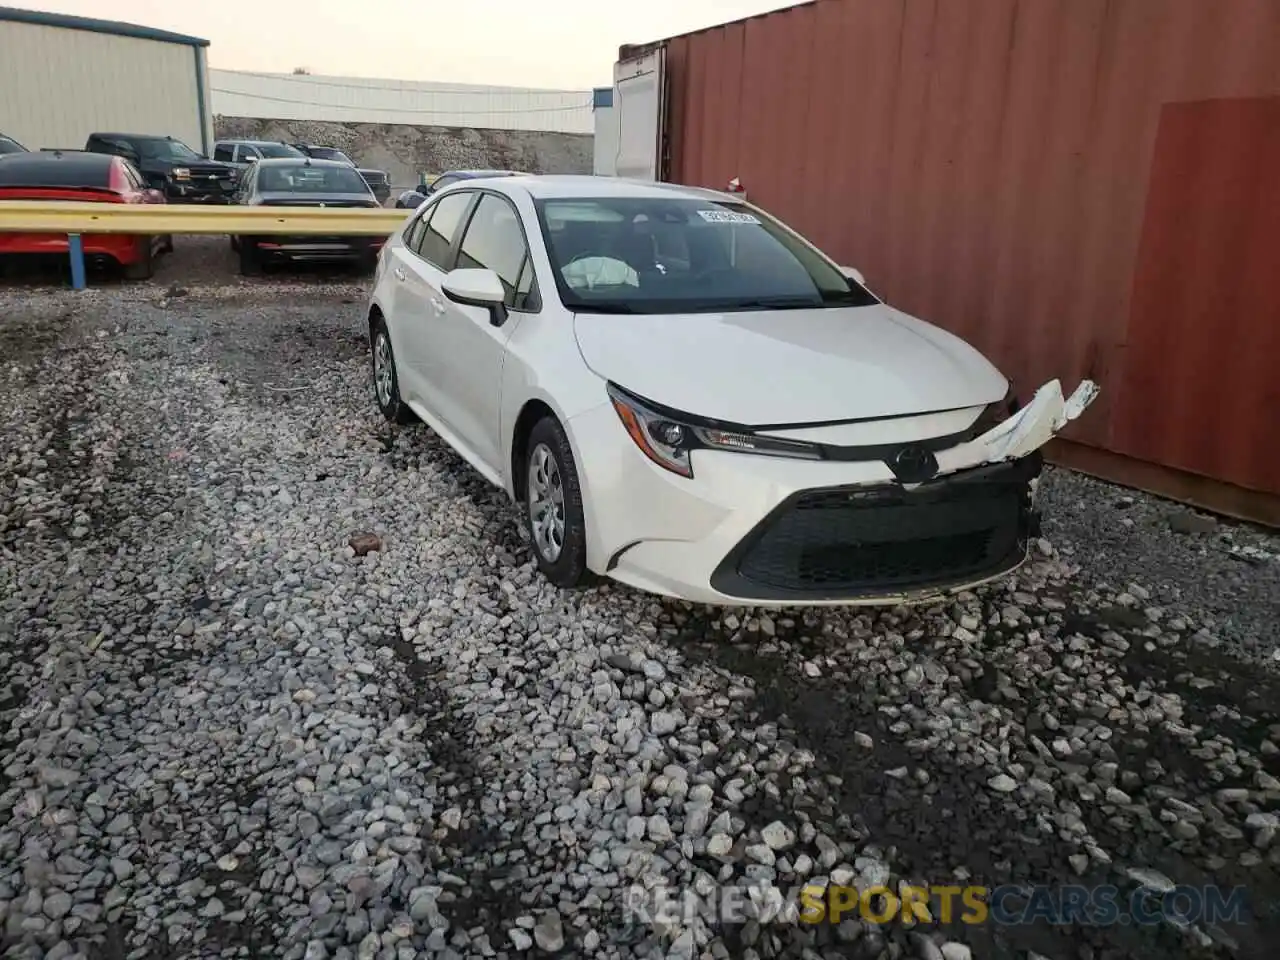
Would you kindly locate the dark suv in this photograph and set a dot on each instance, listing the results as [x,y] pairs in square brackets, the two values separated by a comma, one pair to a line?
[377,180]
[170,166]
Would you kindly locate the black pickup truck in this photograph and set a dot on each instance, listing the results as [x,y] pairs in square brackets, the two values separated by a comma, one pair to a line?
[169,165]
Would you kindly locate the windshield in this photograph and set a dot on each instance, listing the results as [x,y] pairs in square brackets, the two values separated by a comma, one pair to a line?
[291,178]
[678,255]
[274,150]
[165,150]
[329,153]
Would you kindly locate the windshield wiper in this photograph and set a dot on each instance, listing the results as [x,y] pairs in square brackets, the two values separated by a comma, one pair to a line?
[604,308]
[773,303]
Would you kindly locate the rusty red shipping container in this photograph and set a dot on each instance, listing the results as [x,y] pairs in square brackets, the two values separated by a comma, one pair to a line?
[1081,188]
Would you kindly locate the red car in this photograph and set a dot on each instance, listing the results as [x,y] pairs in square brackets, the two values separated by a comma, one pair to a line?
[93,177]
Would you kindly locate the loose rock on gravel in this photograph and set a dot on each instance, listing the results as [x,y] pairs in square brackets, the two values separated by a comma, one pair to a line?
[229,730]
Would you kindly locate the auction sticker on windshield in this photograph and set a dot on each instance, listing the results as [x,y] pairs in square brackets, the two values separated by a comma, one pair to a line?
[727,216]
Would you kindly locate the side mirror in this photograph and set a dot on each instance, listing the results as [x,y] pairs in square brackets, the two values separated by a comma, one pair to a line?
[250,159]
[153,195]
[854,274]
[477,288]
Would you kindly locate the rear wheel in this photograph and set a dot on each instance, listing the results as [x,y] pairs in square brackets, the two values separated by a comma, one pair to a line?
[142,268]
[250,259]
[386,383]
[235,244]
[553,506]
[166,245]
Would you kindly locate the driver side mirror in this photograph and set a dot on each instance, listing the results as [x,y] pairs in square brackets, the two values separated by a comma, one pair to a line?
[854,274]
[250,159]
[477,288]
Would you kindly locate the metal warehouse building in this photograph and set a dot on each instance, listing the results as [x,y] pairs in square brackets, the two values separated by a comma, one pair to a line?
[64,77]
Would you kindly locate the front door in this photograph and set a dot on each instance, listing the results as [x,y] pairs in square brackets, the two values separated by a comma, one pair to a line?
[419,304]
[472,346]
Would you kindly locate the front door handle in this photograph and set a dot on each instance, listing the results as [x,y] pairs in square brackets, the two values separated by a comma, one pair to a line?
[437,305]
[399,272]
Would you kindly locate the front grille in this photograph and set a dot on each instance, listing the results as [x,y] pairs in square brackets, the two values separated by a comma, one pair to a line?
[851,542]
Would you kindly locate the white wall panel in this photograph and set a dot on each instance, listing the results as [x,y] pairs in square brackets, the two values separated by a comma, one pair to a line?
[361,100]
[59,85]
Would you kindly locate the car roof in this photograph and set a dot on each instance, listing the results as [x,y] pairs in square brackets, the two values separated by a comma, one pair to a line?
[476,174]
[54,168]
[133,136]
[553,186]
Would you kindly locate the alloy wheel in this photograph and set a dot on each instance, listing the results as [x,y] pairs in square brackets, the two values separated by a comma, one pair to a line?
[546,503]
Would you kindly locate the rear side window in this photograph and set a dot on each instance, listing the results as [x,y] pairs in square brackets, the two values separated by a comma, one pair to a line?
[437,238]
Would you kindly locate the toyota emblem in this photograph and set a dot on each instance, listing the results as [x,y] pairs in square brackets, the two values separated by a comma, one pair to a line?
[913,464]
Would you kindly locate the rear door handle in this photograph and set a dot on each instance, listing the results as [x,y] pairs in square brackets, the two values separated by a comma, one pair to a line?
[399,272]
[437,305]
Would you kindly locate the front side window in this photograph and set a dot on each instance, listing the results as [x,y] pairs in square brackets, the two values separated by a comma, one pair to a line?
[9,145]
[132,176]
[223,151]
[494,241]
[680,255]
[442,227]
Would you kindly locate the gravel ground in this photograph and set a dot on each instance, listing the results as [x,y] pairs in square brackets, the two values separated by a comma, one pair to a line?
[224,734]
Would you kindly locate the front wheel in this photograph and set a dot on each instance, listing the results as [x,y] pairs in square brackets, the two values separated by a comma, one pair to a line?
[553,506]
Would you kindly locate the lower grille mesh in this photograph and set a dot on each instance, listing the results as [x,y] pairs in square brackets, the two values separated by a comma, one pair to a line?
[867,540]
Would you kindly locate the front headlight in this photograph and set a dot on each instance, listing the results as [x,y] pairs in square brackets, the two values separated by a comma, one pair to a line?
[180,173]
[995,413]
[668,438]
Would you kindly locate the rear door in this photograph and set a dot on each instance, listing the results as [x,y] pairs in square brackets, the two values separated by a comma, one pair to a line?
[640,96]
[419,264]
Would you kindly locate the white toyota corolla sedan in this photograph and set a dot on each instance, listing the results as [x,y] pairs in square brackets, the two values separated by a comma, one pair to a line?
[687,396]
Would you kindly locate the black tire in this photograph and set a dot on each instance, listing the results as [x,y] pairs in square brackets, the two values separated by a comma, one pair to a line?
[235,244]
[568,568]
[167,245]
[250,261]
[393,407]
[144,267]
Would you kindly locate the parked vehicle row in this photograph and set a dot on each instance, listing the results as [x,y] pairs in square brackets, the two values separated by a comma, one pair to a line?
[685,395]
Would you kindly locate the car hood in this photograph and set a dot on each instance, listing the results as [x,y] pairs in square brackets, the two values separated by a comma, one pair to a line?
[789,367]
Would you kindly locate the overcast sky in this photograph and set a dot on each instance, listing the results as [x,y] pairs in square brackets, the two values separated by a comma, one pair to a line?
[569,44]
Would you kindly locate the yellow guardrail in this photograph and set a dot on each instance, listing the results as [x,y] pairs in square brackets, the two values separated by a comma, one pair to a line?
[45,216]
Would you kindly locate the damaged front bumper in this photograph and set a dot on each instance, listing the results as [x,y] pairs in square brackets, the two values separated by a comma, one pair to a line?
[1023,433]
[777,531]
